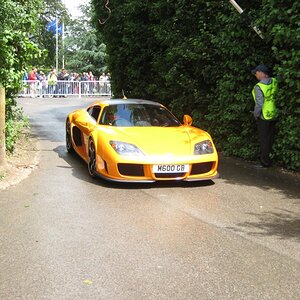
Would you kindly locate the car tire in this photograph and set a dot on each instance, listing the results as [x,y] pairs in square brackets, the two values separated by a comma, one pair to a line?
[69,144]
[92,159]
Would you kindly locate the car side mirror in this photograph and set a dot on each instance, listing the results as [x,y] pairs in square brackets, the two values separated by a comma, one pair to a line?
[187,120]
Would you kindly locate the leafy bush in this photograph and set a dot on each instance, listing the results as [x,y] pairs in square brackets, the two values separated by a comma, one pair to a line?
[197,57]
[16,51]
[15,122]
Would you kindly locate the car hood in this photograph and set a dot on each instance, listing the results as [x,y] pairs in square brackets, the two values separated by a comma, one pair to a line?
[159,140]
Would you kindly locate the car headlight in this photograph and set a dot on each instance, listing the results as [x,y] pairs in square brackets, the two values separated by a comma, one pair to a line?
[123,148]
[204,147]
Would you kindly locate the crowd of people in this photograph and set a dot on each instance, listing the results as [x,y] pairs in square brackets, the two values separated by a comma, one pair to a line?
[64,83]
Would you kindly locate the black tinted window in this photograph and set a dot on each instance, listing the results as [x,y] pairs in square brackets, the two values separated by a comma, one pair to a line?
[94,112]
[138,115]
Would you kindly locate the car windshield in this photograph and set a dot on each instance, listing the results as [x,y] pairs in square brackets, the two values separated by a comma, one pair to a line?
[138,115]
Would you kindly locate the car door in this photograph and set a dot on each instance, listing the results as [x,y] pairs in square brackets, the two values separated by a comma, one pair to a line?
[92,121]
[87,124]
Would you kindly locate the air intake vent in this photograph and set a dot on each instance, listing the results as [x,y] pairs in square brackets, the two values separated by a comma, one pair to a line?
[131,169]
[201,168]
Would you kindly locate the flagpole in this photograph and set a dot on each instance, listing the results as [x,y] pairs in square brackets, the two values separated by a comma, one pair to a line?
[63,45]
[63,40]
[56,46]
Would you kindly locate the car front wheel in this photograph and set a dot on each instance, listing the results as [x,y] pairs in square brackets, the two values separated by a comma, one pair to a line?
[92,159]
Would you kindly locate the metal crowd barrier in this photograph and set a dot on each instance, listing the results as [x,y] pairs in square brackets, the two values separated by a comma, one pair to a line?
[62,88]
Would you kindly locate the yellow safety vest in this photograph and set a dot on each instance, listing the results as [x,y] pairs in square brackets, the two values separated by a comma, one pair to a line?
[269,91]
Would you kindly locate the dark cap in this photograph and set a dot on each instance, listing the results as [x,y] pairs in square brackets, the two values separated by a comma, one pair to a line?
[261,68]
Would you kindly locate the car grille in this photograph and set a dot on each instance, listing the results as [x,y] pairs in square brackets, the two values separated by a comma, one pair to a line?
[169,175]
[201,168]
[131,169]
[137,170]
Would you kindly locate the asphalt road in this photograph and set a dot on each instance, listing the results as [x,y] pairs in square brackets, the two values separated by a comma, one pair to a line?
[66,236]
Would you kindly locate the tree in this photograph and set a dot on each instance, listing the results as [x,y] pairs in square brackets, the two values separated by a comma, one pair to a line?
[280,20]
[23,34]
[44,38]
[16,50]
[2,127]
[85,50]
[196,56]
[128,40]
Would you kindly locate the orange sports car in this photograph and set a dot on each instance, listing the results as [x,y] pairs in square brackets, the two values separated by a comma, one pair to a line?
[133,140]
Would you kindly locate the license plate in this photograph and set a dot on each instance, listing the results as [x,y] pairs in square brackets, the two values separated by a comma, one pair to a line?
[170,168]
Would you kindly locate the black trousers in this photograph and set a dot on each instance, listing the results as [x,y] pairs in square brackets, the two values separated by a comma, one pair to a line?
[266,132]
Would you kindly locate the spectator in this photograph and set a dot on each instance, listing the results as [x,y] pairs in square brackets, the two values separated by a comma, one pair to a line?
[103,83]
[84,86]
[25,75]
[62,84]
[33,82]
[25,78]
[43,85]
[108,89]
[77,79]
[91,79]
[264,94]
[52,82]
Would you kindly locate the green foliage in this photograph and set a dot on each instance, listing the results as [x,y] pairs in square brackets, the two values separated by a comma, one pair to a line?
[281,19]
[197,56]
[45,39]
[15,45]
[19,20]
[84,49]
[14,124]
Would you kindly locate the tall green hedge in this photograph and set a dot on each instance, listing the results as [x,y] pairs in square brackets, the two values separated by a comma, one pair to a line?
[196,57]
[19,20]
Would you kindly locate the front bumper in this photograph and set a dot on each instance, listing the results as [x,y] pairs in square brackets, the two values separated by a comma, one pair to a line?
[130,171]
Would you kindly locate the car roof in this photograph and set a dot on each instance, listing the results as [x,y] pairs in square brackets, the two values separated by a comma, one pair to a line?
[127,101]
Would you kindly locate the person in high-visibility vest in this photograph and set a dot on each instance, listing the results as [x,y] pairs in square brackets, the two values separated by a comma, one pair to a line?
[265,112]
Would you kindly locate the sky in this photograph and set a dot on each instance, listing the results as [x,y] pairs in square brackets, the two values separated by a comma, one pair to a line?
[72,6]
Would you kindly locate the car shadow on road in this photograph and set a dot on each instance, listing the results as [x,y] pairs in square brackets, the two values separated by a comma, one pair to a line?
[79,169]
[281,223]
[238,172]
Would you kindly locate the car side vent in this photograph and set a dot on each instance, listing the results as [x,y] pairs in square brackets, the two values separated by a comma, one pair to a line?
[105,166]
[77,136]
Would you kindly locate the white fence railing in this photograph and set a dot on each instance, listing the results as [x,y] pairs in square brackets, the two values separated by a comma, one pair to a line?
[61,88]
